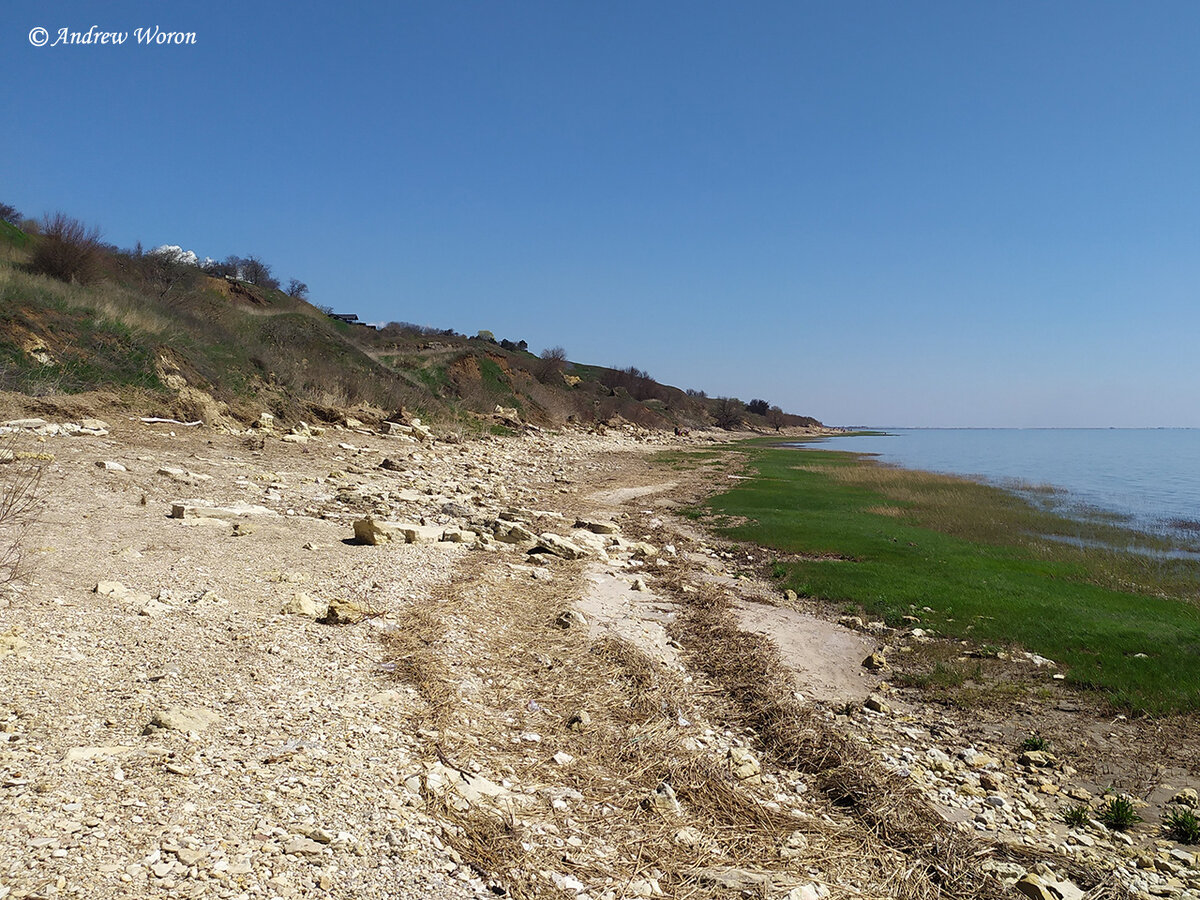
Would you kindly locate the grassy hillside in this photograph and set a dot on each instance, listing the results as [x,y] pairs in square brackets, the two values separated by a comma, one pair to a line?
[167,335]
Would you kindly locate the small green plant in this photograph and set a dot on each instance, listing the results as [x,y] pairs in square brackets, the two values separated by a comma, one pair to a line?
[1119,814]
[778,571]
[1077,816]
[1035,742]
[1182,826]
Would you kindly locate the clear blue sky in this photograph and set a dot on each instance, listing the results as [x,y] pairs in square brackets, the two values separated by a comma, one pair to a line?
[872,212]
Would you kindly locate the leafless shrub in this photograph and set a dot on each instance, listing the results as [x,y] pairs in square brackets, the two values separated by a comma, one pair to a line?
[68,251]
[552,365]
[19,480]
[638,383]
[9,214]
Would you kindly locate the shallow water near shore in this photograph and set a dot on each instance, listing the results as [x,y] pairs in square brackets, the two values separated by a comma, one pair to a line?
[1147,479]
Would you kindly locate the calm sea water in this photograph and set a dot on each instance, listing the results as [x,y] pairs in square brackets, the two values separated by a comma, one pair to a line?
[1150,476]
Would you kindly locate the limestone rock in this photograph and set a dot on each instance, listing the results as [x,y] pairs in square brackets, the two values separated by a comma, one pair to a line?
[182,718]
[664,800]
[12,644]
[153,608]
[579,720]
[303,846]
[570,618]
[302,604]
[750,882]
[344,612]
[597,527]
[1043,887]
[1038,759]
[464,790]
[373,532]
[745,765]
[591,543]
[876,662]
[990,781]
[877,704]
[507,415]
[1186,797]
[109,466]
[795,846]
[190,509]
[87,754]
[559,546]
[513,533]
[182,475]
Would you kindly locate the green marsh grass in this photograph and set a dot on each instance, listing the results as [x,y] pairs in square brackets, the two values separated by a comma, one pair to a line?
[1127,625]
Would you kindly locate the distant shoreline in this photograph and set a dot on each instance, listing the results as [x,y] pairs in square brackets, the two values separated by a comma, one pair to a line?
[1147,480]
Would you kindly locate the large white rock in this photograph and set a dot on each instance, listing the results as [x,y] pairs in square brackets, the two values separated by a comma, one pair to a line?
[192,509]
[559,546]
[376,531]
[183,718]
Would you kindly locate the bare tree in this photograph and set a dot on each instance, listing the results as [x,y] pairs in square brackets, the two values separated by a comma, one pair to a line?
[9,214]
[68,251]
[727,413]
[163,272]
[554,362]
[255,271]
[776,418]
[298,289]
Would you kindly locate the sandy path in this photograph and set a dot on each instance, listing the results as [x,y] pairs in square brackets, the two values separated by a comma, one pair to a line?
[826,658]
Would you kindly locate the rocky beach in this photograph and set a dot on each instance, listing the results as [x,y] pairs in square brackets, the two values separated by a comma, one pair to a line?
[372,661]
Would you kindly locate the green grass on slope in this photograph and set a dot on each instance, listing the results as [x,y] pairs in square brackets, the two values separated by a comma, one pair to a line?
[10,234]
[891,541]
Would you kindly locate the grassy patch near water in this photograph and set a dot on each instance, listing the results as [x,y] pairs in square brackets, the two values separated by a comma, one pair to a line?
[969,560]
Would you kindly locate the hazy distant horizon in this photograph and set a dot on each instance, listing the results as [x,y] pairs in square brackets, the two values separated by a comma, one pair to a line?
[1151,476]
[1018,427]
